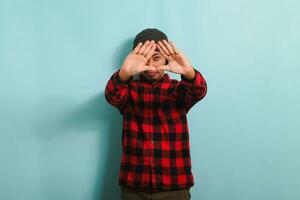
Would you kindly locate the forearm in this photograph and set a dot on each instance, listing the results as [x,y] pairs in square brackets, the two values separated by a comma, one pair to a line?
[116,91]
[194,89]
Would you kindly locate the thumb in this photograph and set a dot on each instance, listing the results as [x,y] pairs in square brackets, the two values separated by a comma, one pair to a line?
[150,68]
[164,67]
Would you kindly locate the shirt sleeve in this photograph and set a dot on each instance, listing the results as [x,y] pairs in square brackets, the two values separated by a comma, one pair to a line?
[116,91]
[192,90]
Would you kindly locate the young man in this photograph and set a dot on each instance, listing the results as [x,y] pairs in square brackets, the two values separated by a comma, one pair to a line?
[156,161]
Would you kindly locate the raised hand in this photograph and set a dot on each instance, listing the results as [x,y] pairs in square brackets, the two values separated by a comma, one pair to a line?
[178,62]
[136,61]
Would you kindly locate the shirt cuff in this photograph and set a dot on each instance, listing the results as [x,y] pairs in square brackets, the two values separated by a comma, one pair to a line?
[119,80]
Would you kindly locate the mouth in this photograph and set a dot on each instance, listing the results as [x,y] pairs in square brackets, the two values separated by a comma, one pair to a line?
[152,73]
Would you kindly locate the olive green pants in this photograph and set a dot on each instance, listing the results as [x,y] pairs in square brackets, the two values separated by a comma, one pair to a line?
[132,194]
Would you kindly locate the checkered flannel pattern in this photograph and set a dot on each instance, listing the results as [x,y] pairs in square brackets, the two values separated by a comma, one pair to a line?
[155,136]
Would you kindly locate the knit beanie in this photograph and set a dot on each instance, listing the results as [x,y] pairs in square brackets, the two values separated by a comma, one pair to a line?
[149,34]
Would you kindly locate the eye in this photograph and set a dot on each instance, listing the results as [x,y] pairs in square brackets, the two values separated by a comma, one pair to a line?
[156,58]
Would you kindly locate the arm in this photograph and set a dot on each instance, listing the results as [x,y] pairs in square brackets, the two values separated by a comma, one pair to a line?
[116,90]
[193,88]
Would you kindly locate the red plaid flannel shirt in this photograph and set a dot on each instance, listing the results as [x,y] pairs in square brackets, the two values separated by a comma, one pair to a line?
[155,136]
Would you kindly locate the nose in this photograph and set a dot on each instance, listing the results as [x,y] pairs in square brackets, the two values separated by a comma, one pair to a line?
[149,62]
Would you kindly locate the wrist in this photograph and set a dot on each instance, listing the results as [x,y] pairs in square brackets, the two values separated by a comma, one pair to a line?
[123,75]
[190,74]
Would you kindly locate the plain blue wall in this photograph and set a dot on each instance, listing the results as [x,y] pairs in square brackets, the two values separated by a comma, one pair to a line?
[60,139]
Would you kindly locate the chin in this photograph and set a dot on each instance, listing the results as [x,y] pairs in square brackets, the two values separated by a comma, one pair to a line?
[152,78]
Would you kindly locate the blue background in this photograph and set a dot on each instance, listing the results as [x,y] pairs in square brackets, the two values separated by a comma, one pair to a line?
[61,140]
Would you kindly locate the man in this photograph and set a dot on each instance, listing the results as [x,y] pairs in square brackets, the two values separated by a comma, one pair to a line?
[156,162]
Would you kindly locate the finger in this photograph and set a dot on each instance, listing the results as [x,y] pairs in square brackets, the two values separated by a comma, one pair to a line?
[169,47]
[164,67]
[135,50]
[149,68]
[150,53]
[162,46]
[142,49]
[148,48]
[174,48]
[162,52]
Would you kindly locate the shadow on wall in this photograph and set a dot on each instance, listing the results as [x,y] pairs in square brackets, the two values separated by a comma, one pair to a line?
[108,185]
[95,115]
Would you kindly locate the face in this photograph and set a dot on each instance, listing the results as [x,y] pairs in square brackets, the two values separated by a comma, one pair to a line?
[156,60]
